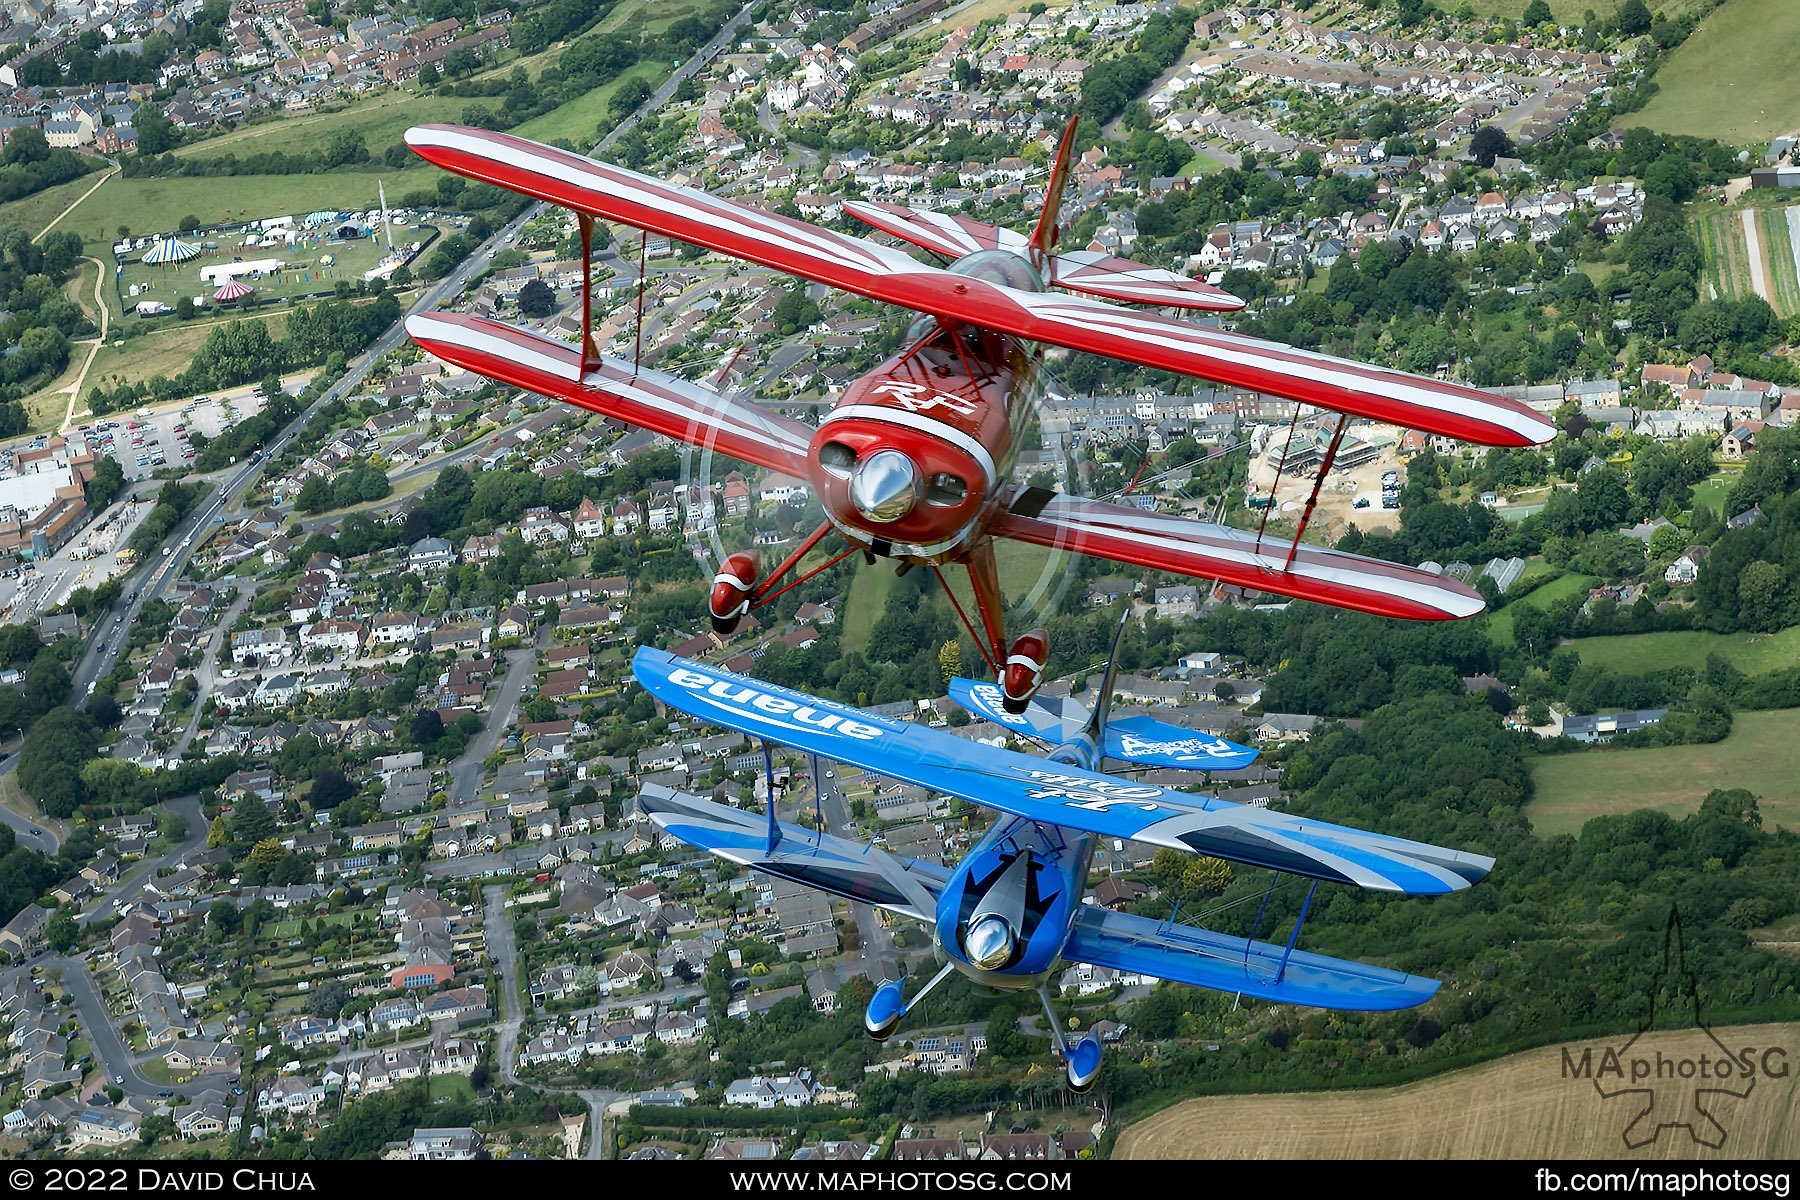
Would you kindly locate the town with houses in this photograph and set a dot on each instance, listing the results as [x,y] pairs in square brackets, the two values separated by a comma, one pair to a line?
[413,852]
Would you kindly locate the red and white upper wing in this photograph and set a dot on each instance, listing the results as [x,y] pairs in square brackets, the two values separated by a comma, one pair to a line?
[1206,551]
[643,397]
[889,274]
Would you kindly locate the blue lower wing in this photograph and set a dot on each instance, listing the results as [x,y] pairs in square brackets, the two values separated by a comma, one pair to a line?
[844,868]
[1185,954]
[1055,793]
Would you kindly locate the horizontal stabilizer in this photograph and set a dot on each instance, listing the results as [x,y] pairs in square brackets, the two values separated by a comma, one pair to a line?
[844,868]
[1093,272]
[1139,739]
[1153,743]
[1055,793]
[1045,718]
[1187,954]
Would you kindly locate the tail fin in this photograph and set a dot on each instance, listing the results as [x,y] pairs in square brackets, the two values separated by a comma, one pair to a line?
[1043,238]
[1103,702]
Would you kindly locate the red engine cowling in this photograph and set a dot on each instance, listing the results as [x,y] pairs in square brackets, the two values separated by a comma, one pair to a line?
[1024,672]
[731,589]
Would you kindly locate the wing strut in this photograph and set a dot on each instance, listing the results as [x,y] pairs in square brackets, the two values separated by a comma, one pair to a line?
[769,778]
[1276,486]
[1324,470]
[590,354]
[1295,936]
[1255,925]
[637,353]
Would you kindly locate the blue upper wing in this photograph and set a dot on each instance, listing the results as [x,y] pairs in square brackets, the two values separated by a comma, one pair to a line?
[1055,793]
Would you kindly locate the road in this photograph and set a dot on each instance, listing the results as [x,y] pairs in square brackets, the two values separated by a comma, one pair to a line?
[207,673]
[466,771]
[99,908]
[503,953]
[110,1052]
[29,833]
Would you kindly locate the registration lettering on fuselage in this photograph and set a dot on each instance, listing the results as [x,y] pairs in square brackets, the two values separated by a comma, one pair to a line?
[919,397]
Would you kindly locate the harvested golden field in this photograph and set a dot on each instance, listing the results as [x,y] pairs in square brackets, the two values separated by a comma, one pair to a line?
[1520,1106]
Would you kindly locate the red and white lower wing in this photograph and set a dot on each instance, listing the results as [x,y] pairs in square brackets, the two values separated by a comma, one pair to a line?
[1206,551]
[888,274]
[648,399]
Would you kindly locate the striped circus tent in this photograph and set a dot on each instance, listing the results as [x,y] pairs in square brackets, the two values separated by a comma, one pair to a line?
[233,290]
[168,250]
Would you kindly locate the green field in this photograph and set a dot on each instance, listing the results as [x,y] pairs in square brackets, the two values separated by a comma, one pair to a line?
[1721,239]
[306,271]
[869,589]
[577,121]
[1778,256]
[169,350]
[381,121]
[1762,754]
[37,210]
[1712,492]
[1733,79]
[157,205]
[1636,653]
[1500,624]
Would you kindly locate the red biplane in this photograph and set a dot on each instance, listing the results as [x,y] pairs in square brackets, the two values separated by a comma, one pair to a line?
[914,461]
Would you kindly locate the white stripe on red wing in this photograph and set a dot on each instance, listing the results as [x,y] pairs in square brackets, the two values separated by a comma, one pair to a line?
[1318,370]
[610,185]
[1346,571]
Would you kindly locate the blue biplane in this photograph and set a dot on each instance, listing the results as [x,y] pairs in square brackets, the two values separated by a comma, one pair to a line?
[1012,909]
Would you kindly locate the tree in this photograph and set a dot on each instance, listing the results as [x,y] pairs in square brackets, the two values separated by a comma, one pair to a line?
[62,932]
[189,223]
[1634,18]
[108,480]
[426,728]
[428,75]
[536,299]
[330,789]
[217,834]
[1488,144]
[1537,13]
[155,1127]
[223,919]
[267,854]
[950,660]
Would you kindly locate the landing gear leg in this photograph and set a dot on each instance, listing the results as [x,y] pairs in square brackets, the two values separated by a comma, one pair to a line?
[889,1005]
[1081,1061]
[736,589]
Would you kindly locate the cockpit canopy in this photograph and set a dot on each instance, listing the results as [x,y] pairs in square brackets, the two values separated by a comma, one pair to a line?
[999,266]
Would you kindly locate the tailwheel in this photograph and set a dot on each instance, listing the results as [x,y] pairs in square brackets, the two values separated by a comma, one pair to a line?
[1024,671]
[732,589]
